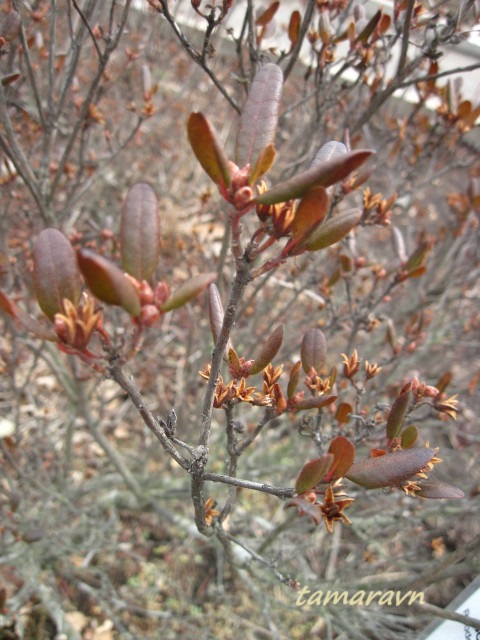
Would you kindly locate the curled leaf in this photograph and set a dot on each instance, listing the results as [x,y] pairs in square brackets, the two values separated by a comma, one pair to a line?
[140,232]
[215,311]
[208,149]
[258,121]
[188,290]
[55,272]
[107,282]
[313,351]
[312,473]
[333,230]
[391,469]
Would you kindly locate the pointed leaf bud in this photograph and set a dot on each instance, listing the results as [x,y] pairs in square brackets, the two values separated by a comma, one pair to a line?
[313,351]
[397,415]
[55,272]
[140,232]
[268,350]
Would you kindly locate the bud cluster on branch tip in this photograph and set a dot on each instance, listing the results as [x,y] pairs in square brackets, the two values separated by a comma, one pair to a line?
[304,222]
[58,271]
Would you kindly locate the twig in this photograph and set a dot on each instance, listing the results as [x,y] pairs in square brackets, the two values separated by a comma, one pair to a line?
[191,51]
[307,18]
[249,484]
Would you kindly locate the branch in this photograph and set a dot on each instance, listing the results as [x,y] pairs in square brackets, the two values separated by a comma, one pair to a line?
[192,52]
[128,385]
[441,74]
[405,36]
[249,484]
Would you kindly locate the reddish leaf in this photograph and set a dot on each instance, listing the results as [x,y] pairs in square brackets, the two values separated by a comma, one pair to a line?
[390,470]
[294,27]
[313,472]
[343,453]
[322,175]
[436,490]
[207,149]
[333,230]
[268,350]
[55,272]
[8,79]
[370,27]
[140,232]
[266,16]
[343,411]
[258,121]
[107,282]
[188,290]
[397,415]
[311,211]
[313,351]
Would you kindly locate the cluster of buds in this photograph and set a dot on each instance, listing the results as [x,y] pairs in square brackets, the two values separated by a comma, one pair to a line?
[377,209]
[151,300]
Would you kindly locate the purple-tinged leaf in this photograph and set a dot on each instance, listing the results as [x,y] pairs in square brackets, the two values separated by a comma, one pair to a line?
[259,118]
[268,350]
[140,232]
[55,272]
[312,473]
[315,402]
[11,77]
[343,453]
[436,490]
[321,175]
[188,290]
[333,230]
[332,150]
[390,470]
[107,282]
[208,149]
[397,414]
[313,351]
[294,27]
